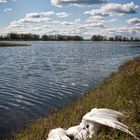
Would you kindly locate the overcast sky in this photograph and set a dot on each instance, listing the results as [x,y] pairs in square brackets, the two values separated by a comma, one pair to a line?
[71,17]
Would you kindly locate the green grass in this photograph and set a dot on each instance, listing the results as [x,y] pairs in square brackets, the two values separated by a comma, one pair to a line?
[6,44]
[121,91]
[134,46]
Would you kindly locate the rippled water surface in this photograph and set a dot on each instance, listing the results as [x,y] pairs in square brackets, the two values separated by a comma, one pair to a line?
[48,75]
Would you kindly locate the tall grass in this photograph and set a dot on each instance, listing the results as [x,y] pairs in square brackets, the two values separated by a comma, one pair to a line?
[121,91]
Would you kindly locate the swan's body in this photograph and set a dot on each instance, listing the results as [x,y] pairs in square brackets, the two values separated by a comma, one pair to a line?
[90,124]
[58,134]
[78,132]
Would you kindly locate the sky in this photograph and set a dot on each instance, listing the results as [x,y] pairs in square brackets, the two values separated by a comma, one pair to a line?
[71,17]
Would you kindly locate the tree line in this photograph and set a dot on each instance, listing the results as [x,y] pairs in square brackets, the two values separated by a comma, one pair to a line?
[113,38]
[35,37]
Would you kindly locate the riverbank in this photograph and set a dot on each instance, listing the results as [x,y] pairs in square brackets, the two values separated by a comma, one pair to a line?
[6,44]
[134,46]
[121,91]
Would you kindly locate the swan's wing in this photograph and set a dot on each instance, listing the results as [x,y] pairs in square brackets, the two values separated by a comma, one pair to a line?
[107,117]
[105,112]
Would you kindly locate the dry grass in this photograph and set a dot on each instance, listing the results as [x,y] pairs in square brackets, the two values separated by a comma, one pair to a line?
[121,91]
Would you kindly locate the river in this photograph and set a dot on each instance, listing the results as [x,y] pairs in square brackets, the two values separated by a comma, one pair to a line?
[36,80]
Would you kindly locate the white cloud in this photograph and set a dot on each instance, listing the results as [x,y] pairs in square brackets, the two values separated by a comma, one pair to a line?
[51,22]
[95,19]
[48,13]
[77,20]
[76,2]
[38,15]
[134,21]
[3,1]
[32,18]
[34,21]
[124,31]
[67,23]
[7,10]
[114,9]
[27,22]
[72,28]
[90,26]
[113,20]
[41,17]
[62,14]
[32,15]
[98,21]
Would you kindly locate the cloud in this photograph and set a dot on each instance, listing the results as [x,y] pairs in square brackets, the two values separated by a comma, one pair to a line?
[35,20]
[95,19]
[48,13]
[114,9]
[90,26]
[52,22]
[38,15]
[65,23]
[3,1]
[124,31]
[62,14]
[134,21]
[98,21]
[31,20]
[33,15]
[7,10]
[76,2]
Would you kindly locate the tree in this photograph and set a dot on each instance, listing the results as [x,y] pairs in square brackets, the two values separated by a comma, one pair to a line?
[98,38]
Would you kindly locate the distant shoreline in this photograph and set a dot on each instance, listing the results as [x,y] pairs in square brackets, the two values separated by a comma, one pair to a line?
[67,41]
[10,43]
[7,44]
[59,37]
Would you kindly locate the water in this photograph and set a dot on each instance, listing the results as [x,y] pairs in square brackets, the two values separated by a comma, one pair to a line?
[48,75]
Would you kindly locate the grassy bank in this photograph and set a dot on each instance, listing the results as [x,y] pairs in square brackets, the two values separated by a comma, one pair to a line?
[134,46]
[121,91]
[6,44]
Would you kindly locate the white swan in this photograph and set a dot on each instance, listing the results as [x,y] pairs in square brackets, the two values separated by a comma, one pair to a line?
[79,132]
[90,124]
[58,134]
